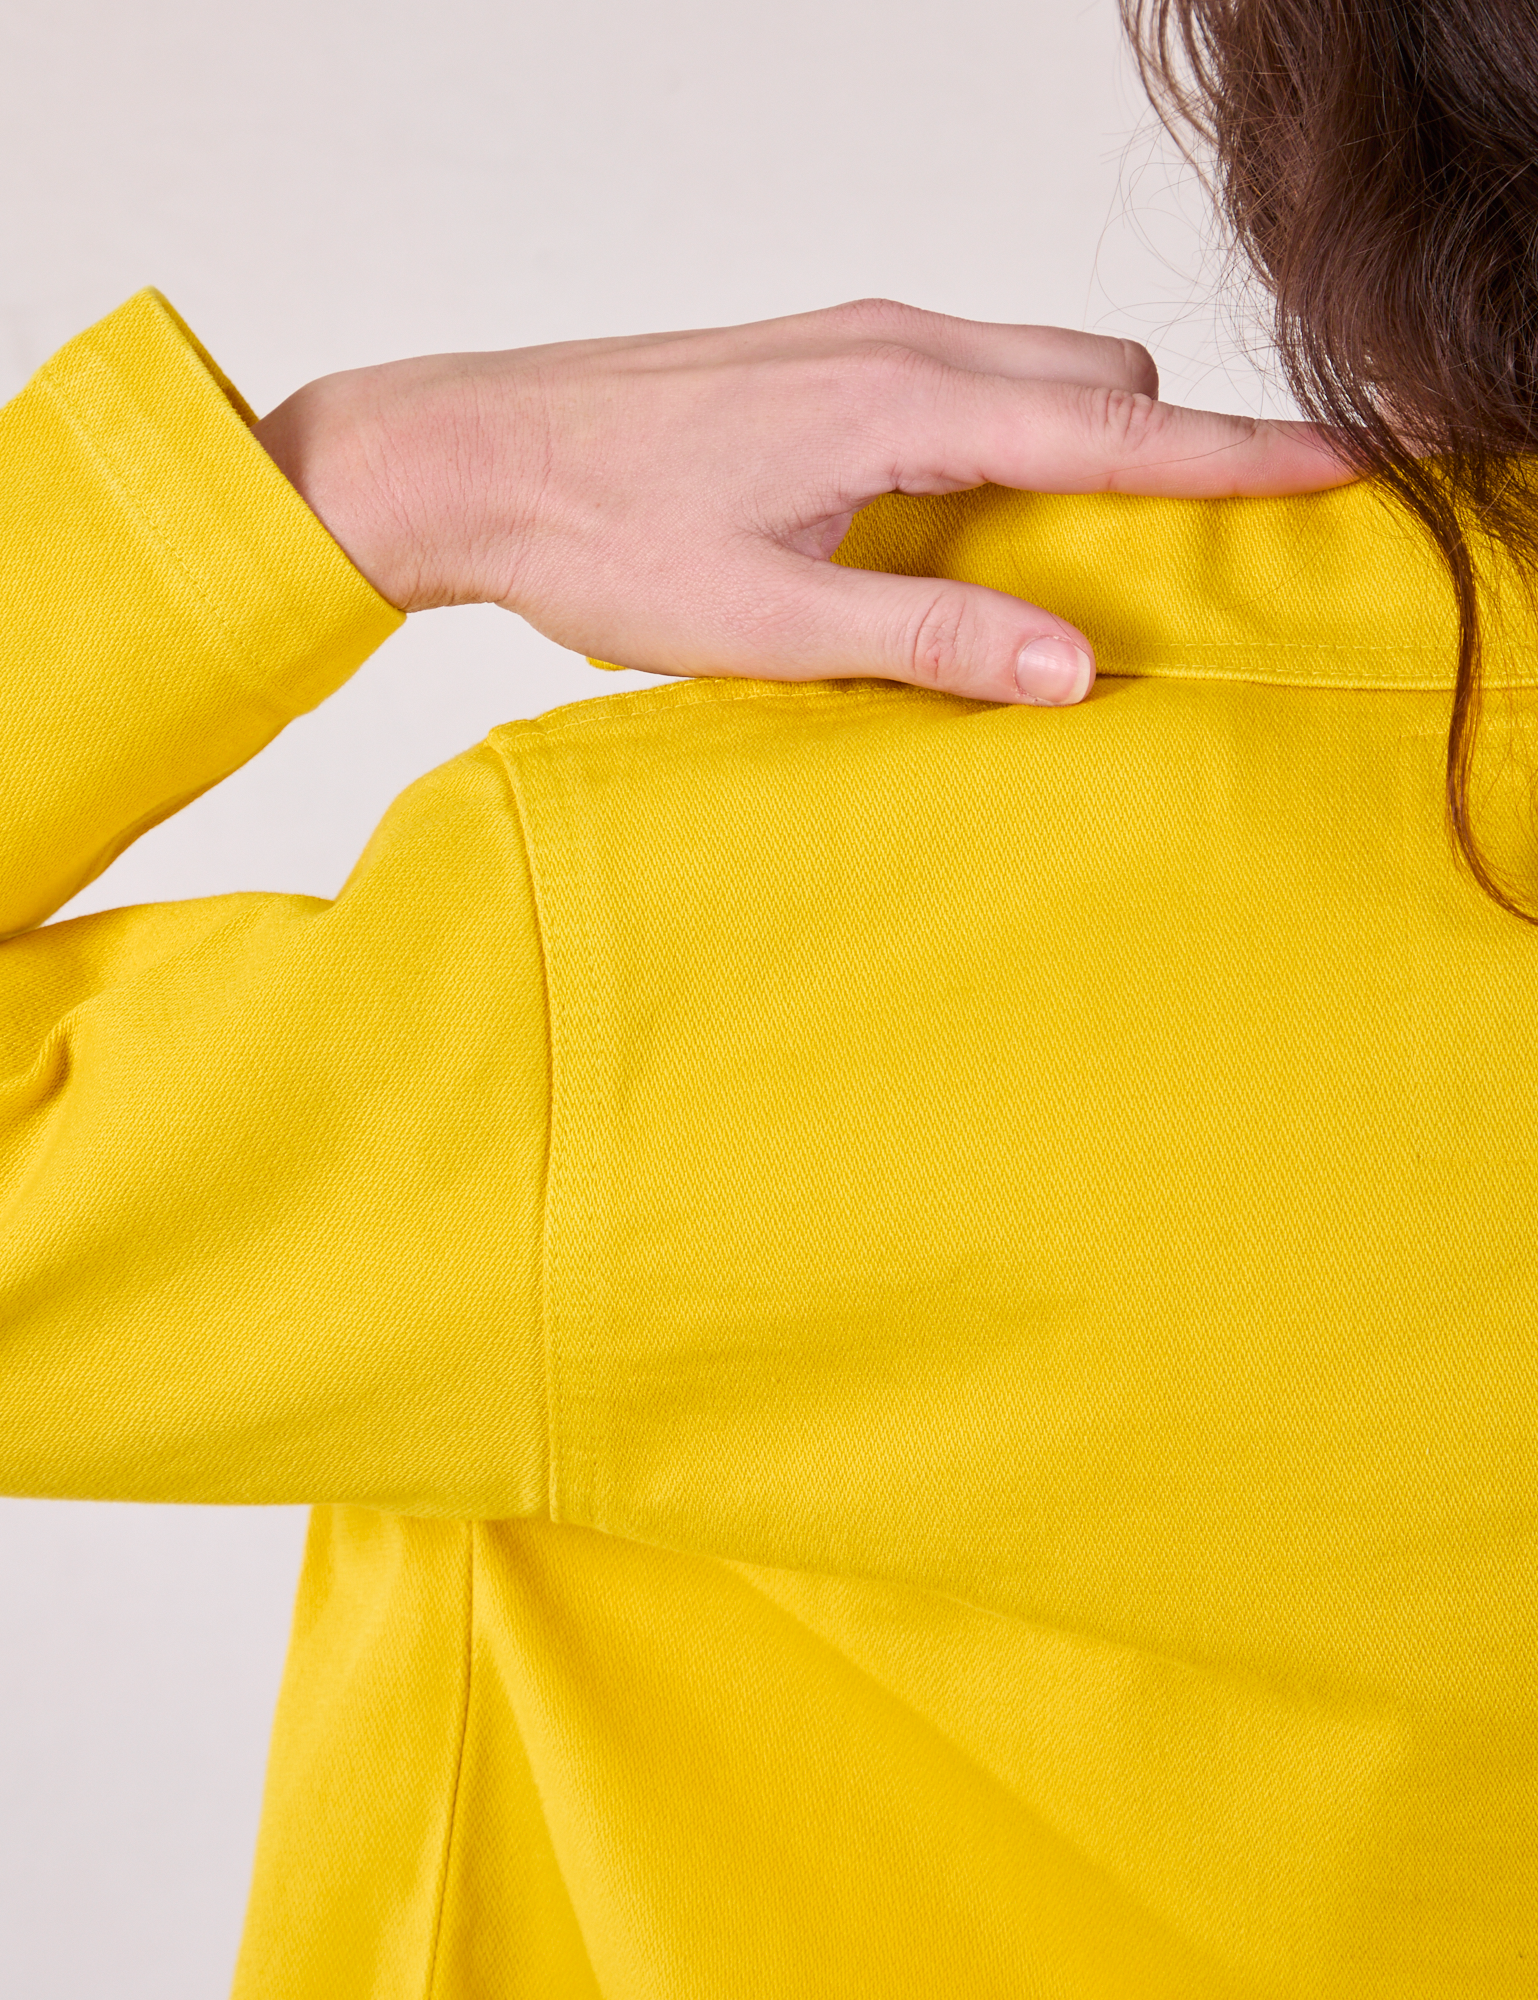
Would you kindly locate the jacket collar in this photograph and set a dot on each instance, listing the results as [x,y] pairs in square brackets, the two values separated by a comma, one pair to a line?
[1337,589]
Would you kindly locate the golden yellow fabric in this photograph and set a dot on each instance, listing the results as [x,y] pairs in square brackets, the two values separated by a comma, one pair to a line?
[911,1323]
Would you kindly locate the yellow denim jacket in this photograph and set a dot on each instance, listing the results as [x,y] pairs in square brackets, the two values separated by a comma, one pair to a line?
[911,1325]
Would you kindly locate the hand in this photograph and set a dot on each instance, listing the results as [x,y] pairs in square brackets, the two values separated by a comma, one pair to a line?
[670,501]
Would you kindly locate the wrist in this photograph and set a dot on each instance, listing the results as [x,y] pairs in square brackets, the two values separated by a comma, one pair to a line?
[333,444]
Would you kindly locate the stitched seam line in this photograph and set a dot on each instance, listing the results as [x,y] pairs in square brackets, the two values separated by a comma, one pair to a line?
[444,1869]
[543,729]
[155,532]
[547,1330]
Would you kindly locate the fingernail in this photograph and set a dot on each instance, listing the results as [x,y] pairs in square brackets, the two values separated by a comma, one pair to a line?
[1051,672]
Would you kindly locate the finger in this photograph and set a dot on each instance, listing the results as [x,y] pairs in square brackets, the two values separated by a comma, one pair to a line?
[1019,353]
[1056,354]
[991,347]
[1003,351]
[961,638]
[1049,437]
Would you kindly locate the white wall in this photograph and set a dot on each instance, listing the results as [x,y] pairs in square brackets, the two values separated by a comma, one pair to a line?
[319,183]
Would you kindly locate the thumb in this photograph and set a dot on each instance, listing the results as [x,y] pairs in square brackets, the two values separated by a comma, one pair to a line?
[960,638]
[794,618]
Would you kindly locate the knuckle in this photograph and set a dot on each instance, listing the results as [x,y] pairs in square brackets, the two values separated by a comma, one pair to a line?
[940,639]
[1142,371]
[1129,420]
[872,318]
[890,363]
[877,380]
[876,358]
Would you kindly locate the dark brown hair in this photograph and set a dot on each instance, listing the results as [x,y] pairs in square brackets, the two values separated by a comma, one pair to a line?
[1377,164]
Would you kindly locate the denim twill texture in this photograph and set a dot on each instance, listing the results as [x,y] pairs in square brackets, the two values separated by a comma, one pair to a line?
[910,1325]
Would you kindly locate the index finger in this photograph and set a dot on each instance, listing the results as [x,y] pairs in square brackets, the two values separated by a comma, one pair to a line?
[1059,437]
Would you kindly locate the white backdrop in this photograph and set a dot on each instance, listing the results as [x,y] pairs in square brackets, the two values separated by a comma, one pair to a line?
[320,183]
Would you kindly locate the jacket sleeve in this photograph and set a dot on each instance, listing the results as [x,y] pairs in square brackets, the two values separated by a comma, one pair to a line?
[270,1167]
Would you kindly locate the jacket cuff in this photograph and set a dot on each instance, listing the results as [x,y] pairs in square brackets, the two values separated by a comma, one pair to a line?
[172,435]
